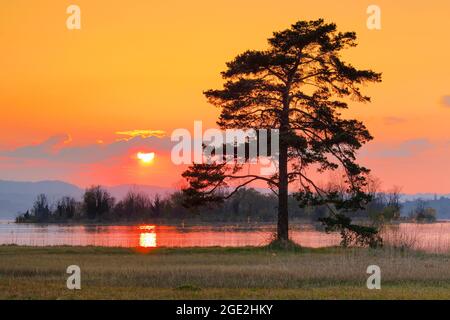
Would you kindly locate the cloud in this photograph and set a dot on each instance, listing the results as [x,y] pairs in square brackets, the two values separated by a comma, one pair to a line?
[140,133]
[403,149]
[56,149]
[43,149]
[446,101]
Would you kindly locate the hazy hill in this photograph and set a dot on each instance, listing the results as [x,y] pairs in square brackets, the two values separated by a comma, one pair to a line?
[51,187]
[19,196]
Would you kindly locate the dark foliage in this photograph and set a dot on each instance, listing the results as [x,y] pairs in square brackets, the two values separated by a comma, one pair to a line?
[97,202]
[352,234]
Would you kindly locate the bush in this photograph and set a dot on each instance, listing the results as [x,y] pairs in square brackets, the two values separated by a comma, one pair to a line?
[422,213]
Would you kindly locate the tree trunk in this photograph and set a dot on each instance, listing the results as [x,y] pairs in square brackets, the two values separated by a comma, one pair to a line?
[283,216]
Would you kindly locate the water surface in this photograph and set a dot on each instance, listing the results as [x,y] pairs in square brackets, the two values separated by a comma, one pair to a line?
[429,237]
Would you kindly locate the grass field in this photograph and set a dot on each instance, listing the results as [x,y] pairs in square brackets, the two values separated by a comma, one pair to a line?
[221,273]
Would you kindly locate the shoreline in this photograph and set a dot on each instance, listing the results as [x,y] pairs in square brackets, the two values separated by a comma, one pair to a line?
[193,222]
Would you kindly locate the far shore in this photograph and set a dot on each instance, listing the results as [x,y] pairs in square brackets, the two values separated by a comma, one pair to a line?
[194,222]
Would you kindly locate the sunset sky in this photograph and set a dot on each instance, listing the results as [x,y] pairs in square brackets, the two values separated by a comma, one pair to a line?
[72,101]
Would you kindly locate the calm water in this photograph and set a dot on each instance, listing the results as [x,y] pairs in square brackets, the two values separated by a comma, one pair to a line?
[430,237]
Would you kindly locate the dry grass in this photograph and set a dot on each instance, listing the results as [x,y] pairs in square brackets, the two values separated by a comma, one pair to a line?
[37,273]
[398,240]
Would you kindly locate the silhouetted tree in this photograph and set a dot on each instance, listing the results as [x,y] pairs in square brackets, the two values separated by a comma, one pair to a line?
[298,85]
[66,208]
[175,206]
[423,213]
[41,208]
[384,206]
[134,206]
[156,206]
[97,202]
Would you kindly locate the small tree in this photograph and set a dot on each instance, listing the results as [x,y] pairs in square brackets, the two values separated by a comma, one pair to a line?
[97,202]
[176,207]
[157,206]
[423,213]
[134,206]
[66,208]
[24,217]
[393,205]
[41,208]
[385,207]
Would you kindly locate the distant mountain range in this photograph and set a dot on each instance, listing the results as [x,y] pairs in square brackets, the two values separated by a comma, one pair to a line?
[18,197]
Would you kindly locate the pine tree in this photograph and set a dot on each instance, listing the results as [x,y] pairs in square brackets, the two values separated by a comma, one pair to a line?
[298,85]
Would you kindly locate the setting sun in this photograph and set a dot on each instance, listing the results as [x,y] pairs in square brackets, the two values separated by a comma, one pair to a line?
[146,157]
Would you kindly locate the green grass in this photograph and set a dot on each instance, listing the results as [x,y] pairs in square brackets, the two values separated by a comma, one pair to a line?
[221,273]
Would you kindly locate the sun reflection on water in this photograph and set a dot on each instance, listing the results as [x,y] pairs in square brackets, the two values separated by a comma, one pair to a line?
[147,238]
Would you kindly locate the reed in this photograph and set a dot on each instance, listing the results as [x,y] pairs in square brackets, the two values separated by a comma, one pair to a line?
[37,273]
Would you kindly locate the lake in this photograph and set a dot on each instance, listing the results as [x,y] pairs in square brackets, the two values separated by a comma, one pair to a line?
[429,237]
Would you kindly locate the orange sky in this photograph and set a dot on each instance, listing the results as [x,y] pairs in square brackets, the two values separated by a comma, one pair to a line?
[143,64]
